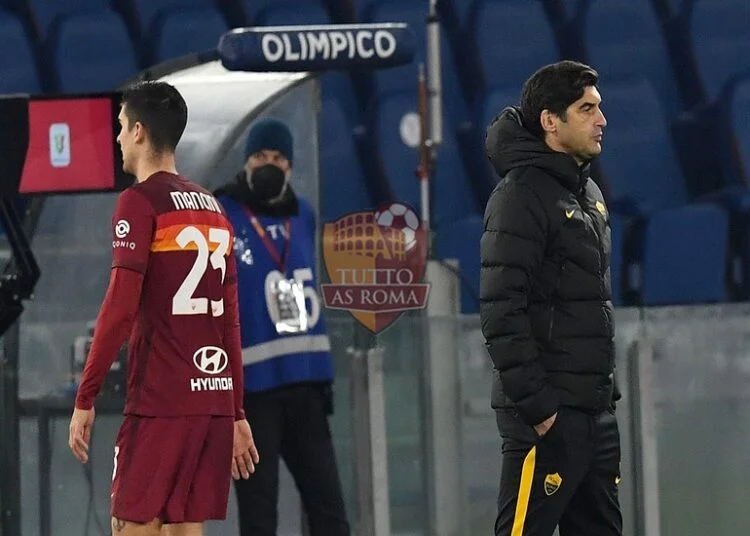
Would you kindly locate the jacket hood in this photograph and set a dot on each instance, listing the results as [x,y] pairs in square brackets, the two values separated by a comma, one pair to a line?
[510,146]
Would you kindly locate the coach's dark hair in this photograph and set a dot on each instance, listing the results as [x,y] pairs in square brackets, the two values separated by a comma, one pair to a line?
[160,108]
[554,88]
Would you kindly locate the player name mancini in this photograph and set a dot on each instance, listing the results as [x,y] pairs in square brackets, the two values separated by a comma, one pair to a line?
[194,201]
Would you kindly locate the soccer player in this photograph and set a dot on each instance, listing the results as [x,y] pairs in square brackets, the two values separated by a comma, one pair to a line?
[173,291]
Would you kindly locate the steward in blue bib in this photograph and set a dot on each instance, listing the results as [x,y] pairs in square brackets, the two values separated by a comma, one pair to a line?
[285,349]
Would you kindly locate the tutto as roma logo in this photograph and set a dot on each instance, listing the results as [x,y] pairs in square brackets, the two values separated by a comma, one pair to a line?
[376,261]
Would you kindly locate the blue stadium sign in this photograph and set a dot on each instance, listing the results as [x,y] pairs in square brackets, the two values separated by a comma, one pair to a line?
[317,48]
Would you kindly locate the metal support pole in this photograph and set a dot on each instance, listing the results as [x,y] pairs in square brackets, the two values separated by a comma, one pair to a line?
[643,440]
[370,447]
[434,79]
[442,406]
[10,468]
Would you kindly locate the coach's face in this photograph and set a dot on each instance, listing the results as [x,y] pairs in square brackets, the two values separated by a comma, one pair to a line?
[579,133]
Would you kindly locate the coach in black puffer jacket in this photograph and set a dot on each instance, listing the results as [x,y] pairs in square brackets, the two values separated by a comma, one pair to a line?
[545,288]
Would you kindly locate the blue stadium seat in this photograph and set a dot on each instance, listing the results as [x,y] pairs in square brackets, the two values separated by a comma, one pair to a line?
[453,14]
[720,33]
[18,68]
[502,30]
[496,101]
[671,9]
[290,13]
[732,156]
[178,32]
[460,240]
[13,5]
[147,11]
[638,159]
[736,138]
[405,77]
[91,52]
[343,184]
[618,270]
[44,12]
[255,9]
[685,253]
[568,10]
[338,85]
[396,123]
[364,7]
[624,39]
[474,151]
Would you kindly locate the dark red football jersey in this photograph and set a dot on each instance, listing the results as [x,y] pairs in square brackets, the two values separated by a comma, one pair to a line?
[176,234]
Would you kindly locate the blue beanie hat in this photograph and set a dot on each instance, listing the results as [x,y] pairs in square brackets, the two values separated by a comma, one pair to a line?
[270,134]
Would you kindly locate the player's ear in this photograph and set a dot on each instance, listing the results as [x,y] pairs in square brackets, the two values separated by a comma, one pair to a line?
[139,134]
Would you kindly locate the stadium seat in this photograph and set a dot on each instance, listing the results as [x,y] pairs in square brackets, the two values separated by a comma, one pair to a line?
[453,15]
[624,39]
[471,140]
[254,9]
[365,7]
[405,77]
[460,240]
[178,32]
[45,12]
[720,33]
[567,10]
[618,268]
[735,142]
[146,12]
[501,30]
[669,10]
[12,5]
[396,123]
[282,13]
[338,85]
[496,101]
[18,68]
[343,187]
[685,254]
[638,159]
[82,48]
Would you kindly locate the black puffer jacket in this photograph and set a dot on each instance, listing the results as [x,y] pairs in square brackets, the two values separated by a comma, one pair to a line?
[545,287]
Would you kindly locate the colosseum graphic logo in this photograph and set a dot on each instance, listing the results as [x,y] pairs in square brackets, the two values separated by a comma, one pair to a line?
[376,261]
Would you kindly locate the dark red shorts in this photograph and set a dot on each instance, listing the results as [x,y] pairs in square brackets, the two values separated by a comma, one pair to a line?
[177,469]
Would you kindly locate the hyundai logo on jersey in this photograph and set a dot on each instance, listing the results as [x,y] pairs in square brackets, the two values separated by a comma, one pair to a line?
[210,360]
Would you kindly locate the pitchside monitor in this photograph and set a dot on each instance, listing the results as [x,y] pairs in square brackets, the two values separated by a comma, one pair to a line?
[60,145]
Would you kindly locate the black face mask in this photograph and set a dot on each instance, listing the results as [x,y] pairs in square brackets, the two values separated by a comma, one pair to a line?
[268,183]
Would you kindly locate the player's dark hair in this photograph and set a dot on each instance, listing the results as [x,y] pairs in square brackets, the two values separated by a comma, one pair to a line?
[161,110]
[554,87]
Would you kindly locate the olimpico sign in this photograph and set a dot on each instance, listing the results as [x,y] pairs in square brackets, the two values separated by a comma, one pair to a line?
[317,48]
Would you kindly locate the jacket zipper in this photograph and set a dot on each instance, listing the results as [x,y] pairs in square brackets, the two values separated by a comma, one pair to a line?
[599,246]
[590,220]
[552,300]
[551,322]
